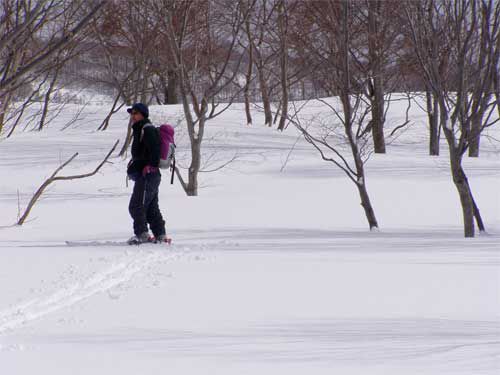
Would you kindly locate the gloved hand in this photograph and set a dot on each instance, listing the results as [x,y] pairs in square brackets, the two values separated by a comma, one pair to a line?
[148,169]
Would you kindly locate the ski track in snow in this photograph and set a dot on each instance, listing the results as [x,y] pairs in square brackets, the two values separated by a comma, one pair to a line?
[119,272]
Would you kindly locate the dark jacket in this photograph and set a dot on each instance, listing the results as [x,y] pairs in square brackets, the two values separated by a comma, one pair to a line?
[145,147]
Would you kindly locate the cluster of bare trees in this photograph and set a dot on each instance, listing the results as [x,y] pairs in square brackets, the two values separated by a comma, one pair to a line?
[37,38]
[360,51]
[206,54]
[457,44]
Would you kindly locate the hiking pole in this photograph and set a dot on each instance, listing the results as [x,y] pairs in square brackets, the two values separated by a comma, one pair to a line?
[173,170]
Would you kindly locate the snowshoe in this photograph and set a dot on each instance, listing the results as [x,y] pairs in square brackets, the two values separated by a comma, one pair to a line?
[162,238]
[142,238]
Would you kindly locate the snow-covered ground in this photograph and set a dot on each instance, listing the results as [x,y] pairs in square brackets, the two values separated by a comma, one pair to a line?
[272,269]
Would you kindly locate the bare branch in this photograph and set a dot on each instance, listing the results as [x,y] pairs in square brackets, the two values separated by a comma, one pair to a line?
[54,177]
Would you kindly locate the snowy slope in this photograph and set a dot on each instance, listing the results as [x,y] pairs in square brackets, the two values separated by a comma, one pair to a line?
[272,269]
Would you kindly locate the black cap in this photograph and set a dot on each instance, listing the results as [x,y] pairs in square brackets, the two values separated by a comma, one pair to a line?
[139,107]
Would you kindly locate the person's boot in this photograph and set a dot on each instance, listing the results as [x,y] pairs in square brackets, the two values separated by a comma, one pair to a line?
[162,238]
[142,238]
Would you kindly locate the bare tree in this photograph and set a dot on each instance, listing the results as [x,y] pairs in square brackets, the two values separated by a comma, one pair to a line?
[376,84]
[283,41]
[117,42]
[34,21]
[127,37]
[202,40]
[327,40]
[16,114]
[262,23]
[54,178]
[376,41]
[487,44]
[54,71]
[410,71]
[32,34]
[455,75]
[247,7]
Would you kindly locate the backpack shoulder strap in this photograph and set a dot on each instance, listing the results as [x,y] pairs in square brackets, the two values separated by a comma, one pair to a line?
[146,125]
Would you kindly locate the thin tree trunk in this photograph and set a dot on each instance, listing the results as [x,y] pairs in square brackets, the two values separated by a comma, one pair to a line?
[358,161]
[477,214]
[283,65]
[164,88]
[105,122]
[367,206]
[246,89]
[433,115]
[268,114]
[377,95]
[348,111]
[278,110]
[264,90]
[194,168]
[476,122]
[377,102]
[172,87]
[496,87]
[14,126]
[457,172]
[6,97]
[259,64]
[195,138]
[128,139]
[144,89]
[4,107]
[469,207]
[248,77]
[284,109]
[464,193]
[484,82]
[46,101]
[155,93]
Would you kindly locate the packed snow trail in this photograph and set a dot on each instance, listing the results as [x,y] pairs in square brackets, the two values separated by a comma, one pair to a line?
[119,272]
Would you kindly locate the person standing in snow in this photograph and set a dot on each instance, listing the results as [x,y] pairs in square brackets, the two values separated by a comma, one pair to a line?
[143,170]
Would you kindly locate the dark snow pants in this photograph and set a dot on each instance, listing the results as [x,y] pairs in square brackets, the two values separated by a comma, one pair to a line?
[143,206]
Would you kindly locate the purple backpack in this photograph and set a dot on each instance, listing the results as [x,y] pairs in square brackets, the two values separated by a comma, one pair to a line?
[167,145]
